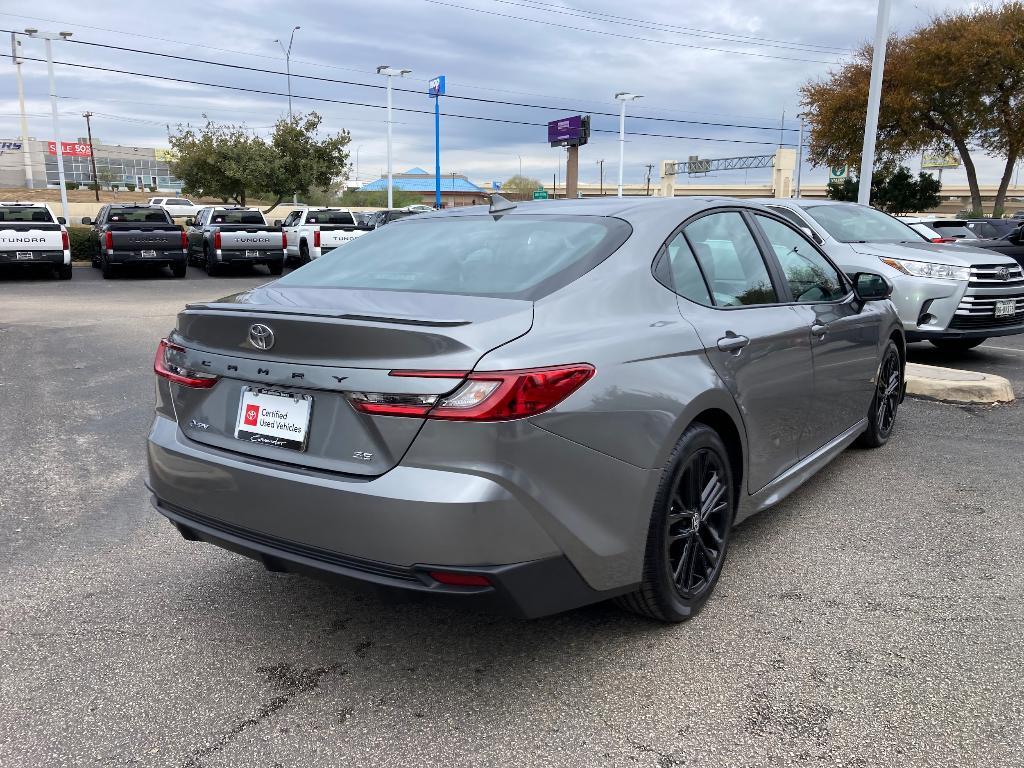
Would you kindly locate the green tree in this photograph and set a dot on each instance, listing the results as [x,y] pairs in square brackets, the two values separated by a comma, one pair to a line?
[894,191]
[302,161]
[521,185]
[956,84]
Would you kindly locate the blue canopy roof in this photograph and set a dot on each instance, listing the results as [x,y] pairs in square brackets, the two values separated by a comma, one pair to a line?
[423,183]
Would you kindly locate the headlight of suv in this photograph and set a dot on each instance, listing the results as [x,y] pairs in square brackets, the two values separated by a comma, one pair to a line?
[926,269]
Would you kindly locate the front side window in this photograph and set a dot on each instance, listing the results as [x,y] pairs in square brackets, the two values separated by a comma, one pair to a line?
[730,260]
[291,219]
[810,277]
[518,256]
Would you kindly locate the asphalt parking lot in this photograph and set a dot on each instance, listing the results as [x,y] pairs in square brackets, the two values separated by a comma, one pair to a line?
[873,619]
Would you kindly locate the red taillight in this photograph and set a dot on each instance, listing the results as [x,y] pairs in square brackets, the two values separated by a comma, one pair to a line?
[454,579]
[169,367]
[943,240]
[65,242]
[216,241]
[482,396]
[284,240]
[316,239]
[184,241]
[109,238]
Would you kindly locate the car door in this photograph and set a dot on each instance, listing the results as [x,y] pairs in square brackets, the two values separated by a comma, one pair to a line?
[291,229]
[844,333]
[195,233]
[758,345]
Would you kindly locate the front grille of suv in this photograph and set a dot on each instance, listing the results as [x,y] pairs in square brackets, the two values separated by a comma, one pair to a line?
[986,287]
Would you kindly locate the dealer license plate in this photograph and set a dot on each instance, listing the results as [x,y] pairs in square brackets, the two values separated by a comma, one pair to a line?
[148,254]
[252,254]
[1006,308]
[275,418]
[23,255]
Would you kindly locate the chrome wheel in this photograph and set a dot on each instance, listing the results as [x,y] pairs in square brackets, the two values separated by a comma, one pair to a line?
[887,392]
[697,523]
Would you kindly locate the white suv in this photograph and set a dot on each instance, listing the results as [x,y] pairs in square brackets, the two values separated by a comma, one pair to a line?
[176,206]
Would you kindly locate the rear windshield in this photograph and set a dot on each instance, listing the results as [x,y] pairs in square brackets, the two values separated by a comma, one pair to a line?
[329,217]
[26,213]
[237,217]
[859,224]
[519,257]
[152,215]
[952,229]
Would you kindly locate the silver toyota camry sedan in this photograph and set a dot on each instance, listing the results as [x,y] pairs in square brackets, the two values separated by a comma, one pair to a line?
[527,407]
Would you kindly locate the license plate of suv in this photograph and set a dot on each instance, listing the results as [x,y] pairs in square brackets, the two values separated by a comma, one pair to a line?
[149,254]
[1006,308]
[270,417]
[252,254]
[23,255]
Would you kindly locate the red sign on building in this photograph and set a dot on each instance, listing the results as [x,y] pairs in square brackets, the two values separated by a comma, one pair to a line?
[71,148]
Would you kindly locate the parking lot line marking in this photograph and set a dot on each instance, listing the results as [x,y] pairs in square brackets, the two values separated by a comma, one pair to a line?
[1007,349]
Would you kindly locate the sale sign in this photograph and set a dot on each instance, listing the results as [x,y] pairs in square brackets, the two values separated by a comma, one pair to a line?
[71,148]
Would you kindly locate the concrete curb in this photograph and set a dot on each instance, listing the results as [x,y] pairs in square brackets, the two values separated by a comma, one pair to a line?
[952,385]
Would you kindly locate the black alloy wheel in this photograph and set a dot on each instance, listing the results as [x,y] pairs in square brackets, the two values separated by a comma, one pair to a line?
[886,400]
[691,525]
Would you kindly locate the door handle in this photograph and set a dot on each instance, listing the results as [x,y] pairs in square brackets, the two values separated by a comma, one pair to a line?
[732,343]
[819,330]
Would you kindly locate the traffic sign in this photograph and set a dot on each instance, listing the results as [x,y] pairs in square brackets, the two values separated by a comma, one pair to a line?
[540,194]
[836,172]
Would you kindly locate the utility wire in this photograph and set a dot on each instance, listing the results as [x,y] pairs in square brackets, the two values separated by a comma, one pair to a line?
[376,86]
[324,99]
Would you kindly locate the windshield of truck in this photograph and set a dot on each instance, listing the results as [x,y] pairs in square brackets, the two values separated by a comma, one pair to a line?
[329,217]
[139,215]
[859,224]
[25,213]
[237,217]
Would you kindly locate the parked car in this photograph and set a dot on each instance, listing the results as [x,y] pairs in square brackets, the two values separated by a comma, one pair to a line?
[313,232]
[132,235]
[533,410]
[219,237]
[176,206]
[31,235]
[1010,244]
[993,228]
[387,215]
[953,296]
[940,230]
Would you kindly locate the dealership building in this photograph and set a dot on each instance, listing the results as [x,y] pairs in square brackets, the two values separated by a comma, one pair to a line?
[145,167]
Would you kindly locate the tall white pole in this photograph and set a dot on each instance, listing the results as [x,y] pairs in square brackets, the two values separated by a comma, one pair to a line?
[26,155]
[56,130]
[622,142]
[867,158]
[390,190]
[800,158]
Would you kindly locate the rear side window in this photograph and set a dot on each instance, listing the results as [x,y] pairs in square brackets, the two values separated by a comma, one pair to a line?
[178,201]
[730,260]
[512,256]
[679,271]
[25,213]
[811,278]
[139,215]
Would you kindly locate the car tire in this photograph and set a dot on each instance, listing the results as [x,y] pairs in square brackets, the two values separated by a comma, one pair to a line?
[956,345]
[886,400]
[106,268]
[276,269]
[691,525]
[64,272]
[211,269]
[303,254]
[179,270]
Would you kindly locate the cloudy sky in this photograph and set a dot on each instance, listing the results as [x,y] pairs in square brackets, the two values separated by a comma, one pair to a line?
[736,63]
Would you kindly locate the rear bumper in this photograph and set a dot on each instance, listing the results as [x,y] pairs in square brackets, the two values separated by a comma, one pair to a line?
[527,590]
[125,258]
[50,258]
[239,257]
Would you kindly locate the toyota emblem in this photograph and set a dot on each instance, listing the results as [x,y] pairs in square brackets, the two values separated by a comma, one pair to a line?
[260,336]
[1003,273]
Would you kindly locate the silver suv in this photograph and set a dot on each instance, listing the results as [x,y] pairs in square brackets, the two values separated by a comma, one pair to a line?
[533,407]
[954,296]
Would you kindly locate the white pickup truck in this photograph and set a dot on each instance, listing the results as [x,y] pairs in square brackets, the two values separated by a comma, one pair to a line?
[312,232]
[31,234]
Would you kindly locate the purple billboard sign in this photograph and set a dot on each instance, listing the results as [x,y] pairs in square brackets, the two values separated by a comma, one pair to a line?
[568,130]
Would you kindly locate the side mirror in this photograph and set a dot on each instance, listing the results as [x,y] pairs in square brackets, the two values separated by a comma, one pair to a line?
[190,222]
[85,220]
[870,286]
[61,220]
[277,222]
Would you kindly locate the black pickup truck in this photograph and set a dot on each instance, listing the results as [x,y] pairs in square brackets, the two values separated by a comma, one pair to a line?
[130,235]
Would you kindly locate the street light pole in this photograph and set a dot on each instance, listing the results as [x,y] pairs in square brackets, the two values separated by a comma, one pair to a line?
[800,158]
[623,97]
[92,156]
[600,165]
[288,75]
[26,156]
[390,72]
[48,37]
[867,157]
